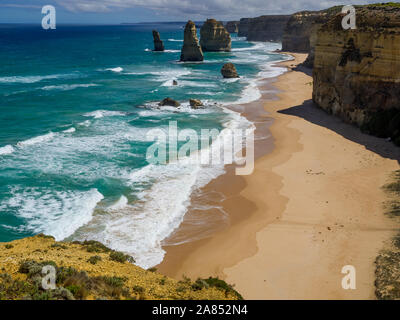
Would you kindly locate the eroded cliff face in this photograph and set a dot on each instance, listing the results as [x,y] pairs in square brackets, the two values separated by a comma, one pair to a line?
[301,31]
[243,27]
[357,72]
[214,36]
[264,28]
[232,26]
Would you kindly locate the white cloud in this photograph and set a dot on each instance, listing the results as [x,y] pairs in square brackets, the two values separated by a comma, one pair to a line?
[205,8]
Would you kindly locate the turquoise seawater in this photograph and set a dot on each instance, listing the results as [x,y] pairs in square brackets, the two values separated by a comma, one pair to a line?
[76,104]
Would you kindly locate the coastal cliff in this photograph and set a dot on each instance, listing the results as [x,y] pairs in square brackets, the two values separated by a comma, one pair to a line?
[214,36]
[300,33]
[191,50]
[89,270]
[264,28]
[356,72]
[232,26]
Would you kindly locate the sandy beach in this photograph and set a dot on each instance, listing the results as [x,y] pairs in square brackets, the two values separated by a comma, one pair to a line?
[313,204]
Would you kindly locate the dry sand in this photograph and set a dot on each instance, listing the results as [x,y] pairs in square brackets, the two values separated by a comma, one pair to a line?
[312,206]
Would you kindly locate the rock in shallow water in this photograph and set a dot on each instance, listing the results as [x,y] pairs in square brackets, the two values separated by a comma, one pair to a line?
[169,102]
[195,103]
[229,71]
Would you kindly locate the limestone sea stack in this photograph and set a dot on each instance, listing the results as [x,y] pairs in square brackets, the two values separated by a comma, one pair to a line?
[191,50]
[214,36]
[158,44]
[229,71]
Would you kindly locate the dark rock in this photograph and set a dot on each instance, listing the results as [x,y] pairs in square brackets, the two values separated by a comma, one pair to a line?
[169,102]
[232,26]
[229,71]
[191,50]
[214,37]
[195,103]
[174,82]
[158,44]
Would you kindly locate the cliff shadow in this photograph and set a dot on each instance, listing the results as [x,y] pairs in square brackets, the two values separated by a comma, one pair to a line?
[301,68]
[310,112]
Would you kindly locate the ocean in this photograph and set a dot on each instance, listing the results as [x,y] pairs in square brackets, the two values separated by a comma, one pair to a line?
[76,104]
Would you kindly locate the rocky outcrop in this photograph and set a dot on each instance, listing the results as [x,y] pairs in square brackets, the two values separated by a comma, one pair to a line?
[301,31]
[191,50]
[214,37]
[195,103]
[264,28]
[169,102]
[232,26]
[356,72]
[229,71]
[158,44]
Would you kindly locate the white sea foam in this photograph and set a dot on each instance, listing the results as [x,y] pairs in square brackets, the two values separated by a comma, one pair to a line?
[8,149]
[155,110]
[36,140]
[120,204]
[175,40]
[57,213]
[85,123]
[30,79]
[238,38]
[139,229]
[256,46]
[172,51]
[117,69]
[104,113]
[70,130]
[67,87]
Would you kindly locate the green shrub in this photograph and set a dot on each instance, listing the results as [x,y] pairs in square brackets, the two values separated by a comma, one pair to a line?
[217,283]
[114,281]
[95,246]
[138,289]
[42,235]
[58,245]
[94,259]
[121,257]
[9,246]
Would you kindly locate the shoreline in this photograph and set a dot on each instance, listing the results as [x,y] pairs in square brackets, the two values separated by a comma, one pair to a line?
[312,206]
[224,191]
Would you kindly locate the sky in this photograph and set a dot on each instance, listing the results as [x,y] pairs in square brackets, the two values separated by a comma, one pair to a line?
[131,11]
